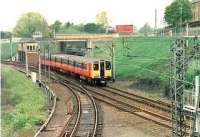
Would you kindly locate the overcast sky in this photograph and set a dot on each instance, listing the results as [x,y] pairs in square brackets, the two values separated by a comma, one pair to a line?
[135,12]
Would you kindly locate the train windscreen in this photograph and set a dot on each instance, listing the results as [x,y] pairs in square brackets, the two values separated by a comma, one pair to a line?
[108,65]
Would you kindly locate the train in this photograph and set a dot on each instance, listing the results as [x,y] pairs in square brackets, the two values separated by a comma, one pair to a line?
[94,71]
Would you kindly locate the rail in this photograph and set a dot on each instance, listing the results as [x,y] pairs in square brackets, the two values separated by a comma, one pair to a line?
[95,112]
[64,134]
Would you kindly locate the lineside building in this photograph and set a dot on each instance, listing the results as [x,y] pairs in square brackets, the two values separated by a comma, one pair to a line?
[196,10]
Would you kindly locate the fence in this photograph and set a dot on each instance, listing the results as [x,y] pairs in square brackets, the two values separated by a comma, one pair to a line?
[51,99]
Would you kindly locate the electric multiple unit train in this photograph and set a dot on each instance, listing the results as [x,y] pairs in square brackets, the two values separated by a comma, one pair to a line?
[93,70]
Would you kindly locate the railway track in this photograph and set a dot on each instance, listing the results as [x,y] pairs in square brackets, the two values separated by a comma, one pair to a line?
[126,104]
[84,120]
[156,111]
[144,100]
[85,116]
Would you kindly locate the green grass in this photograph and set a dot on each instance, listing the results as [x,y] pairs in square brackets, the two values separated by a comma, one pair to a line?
[143,59]
[23,103]
[6,50]
[146,61]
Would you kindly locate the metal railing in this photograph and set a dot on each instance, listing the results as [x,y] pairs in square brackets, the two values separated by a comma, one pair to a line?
[51,102]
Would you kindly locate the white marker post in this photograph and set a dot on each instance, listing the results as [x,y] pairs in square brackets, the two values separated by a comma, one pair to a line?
[197,117]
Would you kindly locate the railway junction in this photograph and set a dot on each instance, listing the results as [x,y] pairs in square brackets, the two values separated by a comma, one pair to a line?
[84,108]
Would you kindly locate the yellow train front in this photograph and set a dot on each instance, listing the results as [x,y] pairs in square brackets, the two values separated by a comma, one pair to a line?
[102,71]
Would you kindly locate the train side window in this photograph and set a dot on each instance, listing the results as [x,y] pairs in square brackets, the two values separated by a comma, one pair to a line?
[96,66]
[74,63]
[52,58]
[59,59]
[70,62]
[108,65]
[64,61]
[82,65]
[78,65]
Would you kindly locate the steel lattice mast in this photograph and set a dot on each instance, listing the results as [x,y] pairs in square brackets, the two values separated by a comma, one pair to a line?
[177,87]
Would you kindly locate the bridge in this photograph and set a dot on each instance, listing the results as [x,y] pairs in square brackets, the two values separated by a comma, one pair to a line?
[83,37]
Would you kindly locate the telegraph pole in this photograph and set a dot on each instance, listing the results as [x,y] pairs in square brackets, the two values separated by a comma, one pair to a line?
[155,19]
[11,52]
[45,64]
[26,62]
[155,29]
[39,64]
[113,61]
[49,57]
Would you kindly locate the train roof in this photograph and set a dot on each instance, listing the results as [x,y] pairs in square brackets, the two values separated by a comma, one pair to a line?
[77,58]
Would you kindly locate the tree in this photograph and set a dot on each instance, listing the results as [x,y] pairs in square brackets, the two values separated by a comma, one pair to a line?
[145,29]
[178,12]
[93,28]
[5,35]
[29,23]
[56,26]
[102,18]
[67,25]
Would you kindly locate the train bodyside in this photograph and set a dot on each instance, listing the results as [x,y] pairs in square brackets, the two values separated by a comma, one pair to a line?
[93,70]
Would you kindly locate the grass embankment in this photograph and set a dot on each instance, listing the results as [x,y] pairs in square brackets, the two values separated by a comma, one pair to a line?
[23,104]
[6,50]
[146,61]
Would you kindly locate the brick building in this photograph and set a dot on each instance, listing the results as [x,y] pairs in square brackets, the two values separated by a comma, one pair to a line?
[196,10]
[31,47]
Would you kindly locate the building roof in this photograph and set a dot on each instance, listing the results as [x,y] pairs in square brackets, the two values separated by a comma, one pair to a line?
[78,58]
[195,1]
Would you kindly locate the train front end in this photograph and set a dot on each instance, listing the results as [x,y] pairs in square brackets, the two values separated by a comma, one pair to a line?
[102,71]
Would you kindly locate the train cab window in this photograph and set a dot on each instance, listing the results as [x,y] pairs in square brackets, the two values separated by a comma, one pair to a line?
[108,65]
[96,66]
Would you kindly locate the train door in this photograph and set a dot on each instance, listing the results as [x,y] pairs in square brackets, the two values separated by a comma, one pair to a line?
[102,68]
